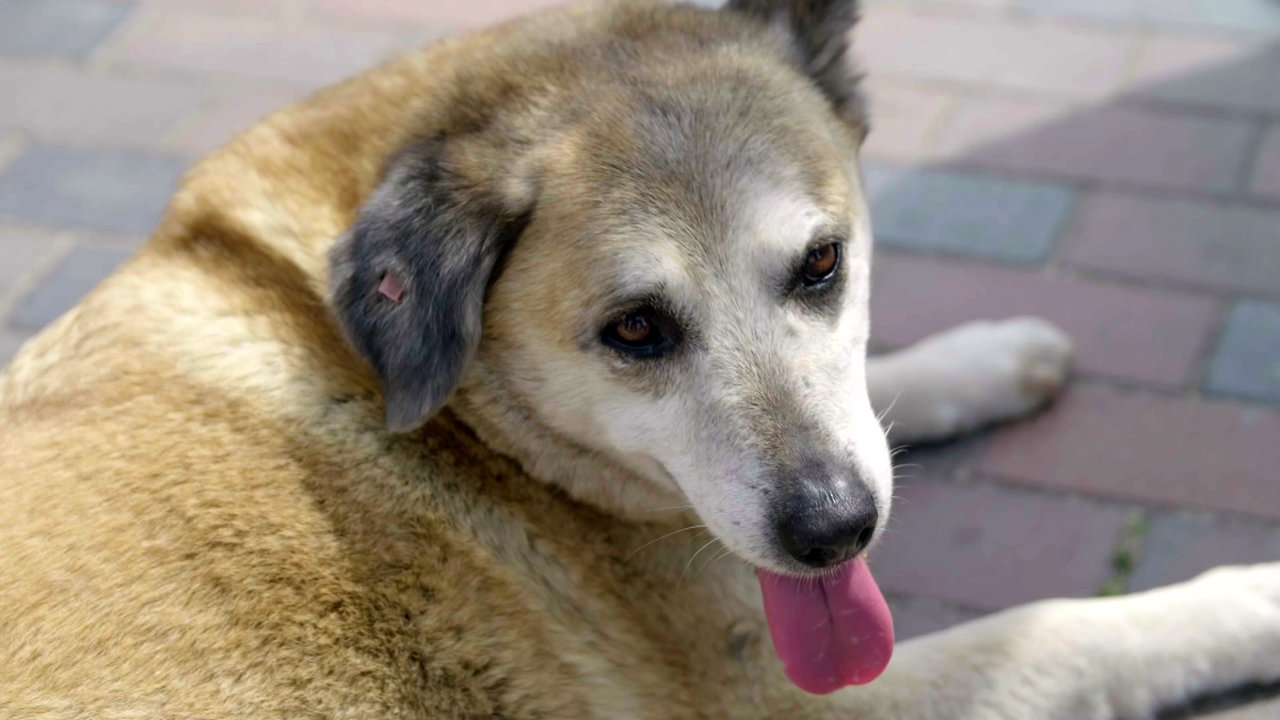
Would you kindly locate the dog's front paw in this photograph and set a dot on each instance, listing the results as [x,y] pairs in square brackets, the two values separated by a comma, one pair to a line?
[985,372]
[1246,601]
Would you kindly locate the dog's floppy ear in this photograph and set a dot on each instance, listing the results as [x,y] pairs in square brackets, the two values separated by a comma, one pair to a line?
[409,280]
[819,33]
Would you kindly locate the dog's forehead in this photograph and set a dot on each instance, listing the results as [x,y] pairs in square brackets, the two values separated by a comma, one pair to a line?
[711,187]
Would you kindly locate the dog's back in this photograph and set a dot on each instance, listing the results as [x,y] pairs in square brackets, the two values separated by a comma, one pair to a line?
[201,515]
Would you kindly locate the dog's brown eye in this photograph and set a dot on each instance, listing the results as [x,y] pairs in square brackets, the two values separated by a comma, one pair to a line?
[635,328]
[821,264]
[644,332]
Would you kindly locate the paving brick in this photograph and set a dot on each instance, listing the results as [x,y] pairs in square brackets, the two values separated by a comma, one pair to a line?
[1180,546]
[1106,143]
[1217,72]
[916,616]
[988,547]
[454,13]
[21,252]
[992,52]
[63,28]
[951,460]
[1122,332]
[1180,452]
[986,5]
[1266,174]
[967,214]
[248,47]
[1235,15]
[282,10]
[65,105]
[71,280]
[1209,245]
[903,117]
[230,112]
[11,340]
[109,191]
[1247,363]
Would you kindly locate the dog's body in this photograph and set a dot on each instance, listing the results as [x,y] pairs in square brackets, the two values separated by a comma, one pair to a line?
[201,515]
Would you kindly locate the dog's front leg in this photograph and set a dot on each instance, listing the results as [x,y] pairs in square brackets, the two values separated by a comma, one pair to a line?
[1126,657]
[967,377]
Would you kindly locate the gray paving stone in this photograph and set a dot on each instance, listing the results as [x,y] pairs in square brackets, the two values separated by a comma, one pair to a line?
[71,280]
[115,192]
[20,252]
[1180,546]
[1229,15]
[11,341]
[966,214]
[67,28]
[57,104]
[1247,362]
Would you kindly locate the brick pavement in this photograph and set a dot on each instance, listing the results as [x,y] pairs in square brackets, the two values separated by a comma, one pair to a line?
[1114,166]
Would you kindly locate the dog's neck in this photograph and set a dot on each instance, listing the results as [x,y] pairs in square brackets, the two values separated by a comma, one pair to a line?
[586,475]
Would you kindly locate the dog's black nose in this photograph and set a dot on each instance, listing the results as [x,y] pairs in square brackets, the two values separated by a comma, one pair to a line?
[825,524]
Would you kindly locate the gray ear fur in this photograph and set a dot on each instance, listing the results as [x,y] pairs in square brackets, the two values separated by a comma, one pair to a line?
[819,31]
[441,242]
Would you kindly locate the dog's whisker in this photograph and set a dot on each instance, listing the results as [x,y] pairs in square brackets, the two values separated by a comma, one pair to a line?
[721,554]
[693,557]
[671,508]
[880,416]
[661,538]
[709,560]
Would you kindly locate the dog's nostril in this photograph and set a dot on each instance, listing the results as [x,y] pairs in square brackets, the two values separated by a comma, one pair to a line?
[864,538]
[821,557]
[822,537]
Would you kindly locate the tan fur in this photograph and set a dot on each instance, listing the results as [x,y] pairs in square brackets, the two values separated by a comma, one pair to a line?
[201,515]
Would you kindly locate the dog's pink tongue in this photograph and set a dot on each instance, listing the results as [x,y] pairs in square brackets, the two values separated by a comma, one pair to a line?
[832,632]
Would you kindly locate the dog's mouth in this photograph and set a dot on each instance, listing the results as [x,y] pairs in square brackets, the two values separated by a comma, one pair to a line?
[830,631]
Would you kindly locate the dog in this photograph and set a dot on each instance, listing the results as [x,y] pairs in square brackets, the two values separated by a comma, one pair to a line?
[426,394]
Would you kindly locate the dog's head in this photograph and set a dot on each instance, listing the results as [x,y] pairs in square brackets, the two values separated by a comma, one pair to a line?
[645,250]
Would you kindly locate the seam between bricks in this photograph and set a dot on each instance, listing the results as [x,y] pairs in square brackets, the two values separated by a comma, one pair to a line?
[60,245]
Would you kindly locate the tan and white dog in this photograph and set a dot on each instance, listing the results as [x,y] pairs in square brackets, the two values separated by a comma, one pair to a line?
[404,409]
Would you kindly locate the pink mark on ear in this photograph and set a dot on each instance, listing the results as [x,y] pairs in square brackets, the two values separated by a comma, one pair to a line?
[391,287]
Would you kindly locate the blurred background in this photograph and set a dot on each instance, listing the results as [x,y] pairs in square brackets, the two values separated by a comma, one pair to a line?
[1113,165]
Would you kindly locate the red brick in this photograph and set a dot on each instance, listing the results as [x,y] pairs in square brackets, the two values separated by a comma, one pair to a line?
[903,117]
[914,616]
[64,105]
[988,547]
[1266,175]
[1210,71]
[1121,332]
[1210,245]
[230,112]
[266,9]
[991,52]
[1105,143]
[1165,451]
[249,47]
